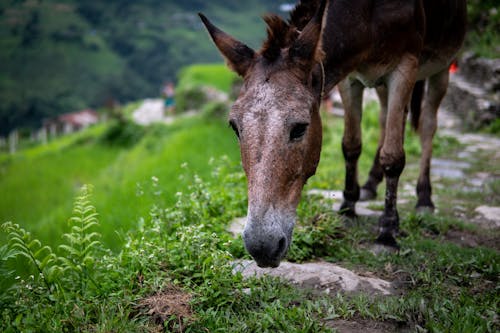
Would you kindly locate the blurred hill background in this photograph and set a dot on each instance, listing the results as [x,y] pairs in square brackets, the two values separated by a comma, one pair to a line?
[59,56]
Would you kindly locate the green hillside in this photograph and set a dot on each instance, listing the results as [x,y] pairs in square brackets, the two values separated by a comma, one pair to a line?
[131,167]
[58,56]
[126,181]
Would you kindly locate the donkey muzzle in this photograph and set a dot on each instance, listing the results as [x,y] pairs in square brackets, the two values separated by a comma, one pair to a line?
[267,239]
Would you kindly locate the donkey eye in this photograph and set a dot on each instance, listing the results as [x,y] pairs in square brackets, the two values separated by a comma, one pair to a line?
[234,127]
[298,131]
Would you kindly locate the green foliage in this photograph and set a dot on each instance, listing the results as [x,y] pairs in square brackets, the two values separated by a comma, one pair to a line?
[58,280]
[317,232]
[214,75]
[41,258]
[82,247]
[186,245]
[122,133]
[122,176]
[182,242]
[60,56]
[190,98]
[483,25]
[494,127]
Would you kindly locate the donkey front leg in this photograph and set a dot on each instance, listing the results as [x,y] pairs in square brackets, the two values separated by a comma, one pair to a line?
[436,89]
[351,92]
[376,175]
[400,84]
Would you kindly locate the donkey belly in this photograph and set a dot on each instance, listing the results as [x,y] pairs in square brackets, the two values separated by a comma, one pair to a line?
[373,75]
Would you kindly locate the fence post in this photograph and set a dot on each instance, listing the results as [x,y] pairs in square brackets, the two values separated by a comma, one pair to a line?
[13,141]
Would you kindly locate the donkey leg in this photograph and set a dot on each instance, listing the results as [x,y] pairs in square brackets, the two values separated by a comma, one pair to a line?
[436,89]
[351,92]
[376,175]
[392,156]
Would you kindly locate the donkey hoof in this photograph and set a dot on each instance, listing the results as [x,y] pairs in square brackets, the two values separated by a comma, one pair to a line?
[347,210]
[387,239]
[367,194]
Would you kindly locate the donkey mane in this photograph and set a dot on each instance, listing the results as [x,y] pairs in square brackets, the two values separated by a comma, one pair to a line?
[279,35]
[303,13]
[282,34]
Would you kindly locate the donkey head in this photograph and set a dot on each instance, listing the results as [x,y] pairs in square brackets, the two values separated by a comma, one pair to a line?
[276,118]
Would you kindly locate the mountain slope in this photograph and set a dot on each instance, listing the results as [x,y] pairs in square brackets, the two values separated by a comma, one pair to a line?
[58,56]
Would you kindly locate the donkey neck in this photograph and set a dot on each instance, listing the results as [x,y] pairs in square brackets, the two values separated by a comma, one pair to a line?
[346,38]
[369,37]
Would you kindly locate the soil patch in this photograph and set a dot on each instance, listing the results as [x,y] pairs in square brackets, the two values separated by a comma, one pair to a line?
[472,239]
[170,305]
[366,326]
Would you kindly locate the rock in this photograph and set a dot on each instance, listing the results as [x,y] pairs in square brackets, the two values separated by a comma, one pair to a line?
[448,168]
[362,207]
[474,92]
[492,214]
[319,275]
[150,111]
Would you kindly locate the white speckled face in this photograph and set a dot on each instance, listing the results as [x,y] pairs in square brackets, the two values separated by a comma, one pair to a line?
[279,129]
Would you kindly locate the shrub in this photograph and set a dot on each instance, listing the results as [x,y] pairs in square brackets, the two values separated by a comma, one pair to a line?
[215,110]
[189,98]
[122,133]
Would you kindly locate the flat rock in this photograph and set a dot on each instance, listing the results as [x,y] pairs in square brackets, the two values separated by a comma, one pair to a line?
[448,168]
[320,275]
[361,206]
[490,213]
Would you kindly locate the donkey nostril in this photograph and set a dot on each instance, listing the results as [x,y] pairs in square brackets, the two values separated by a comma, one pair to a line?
[281,245]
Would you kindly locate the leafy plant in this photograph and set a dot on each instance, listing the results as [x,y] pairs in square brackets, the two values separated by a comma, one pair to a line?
[83,247]
[41,258]
[59,286]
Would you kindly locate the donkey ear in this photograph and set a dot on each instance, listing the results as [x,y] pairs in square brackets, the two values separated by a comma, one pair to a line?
[238,56]
[307,50]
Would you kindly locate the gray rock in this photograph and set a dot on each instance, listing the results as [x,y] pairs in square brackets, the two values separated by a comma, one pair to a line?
[490,213]
[318,275]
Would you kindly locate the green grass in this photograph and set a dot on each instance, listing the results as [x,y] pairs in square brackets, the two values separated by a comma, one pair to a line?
[215,75]
[445,287]
[45,178]
[177,241]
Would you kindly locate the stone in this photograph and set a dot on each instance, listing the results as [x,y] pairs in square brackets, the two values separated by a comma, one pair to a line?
[321,275]
[473,92]
[490,213]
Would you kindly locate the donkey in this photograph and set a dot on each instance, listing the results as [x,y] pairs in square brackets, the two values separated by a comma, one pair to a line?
[389,45]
